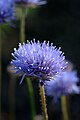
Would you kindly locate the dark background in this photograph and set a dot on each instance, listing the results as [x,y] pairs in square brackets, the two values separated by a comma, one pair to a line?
[59,22]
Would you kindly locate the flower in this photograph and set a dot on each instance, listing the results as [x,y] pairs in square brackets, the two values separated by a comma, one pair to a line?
[6,11]
[63,85]
[70,66]
[37,59]
[31,2]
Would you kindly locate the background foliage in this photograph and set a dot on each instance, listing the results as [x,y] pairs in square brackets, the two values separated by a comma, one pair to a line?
[59,22]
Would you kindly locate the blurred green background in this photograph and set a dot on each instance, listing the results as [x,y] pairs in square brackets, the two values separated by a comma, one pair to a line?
[59,22]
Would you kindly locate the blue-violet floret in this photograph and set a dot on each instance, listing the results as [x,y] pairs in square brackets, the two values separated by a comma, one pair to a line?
[41,60]
[6,11]
[63,85]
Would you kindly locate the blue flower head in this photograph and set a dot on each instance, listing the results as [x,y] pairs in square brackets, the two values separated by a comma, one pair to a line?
[6,11]
[37,59]
[63,85]
[32,2]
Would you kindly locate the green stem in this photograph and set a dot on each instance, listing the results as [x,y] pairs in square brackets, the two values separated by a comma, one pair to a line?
[22,25]
[64,107]
[43,100]
[0,65]
[31,98]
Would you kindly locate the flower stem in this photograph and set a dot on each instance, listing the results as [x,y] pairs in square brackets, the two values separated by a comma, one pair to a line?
[31,98]
[22,25]
[64,108]
[43,100]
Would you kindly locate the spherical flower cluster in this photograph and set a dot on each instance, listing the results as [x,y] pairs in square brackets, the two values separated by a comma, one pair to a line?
[6,11]
[37,59]
[63,85]
[34,2]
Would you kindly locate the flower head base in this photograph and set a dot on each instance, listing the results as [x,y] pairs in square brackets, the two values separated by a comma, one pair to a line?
[6,11]
[39,60]
[63,85]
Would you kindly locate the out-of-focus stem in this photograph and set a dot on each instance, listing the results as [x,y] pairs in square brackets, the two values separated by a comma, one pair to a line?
[31,98]
[43,101]
[22,25]
[64,108]
[0,66]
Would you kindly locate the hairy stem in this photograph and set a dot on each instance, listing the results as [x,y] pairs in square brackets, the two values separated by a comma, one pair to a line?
[64,108]
[43,101]
[31,98]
